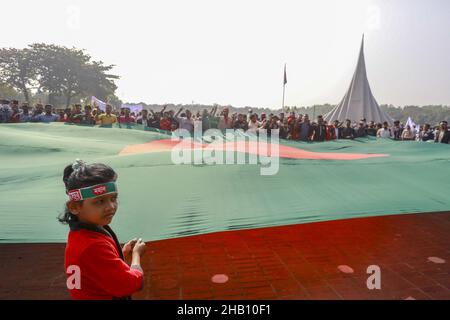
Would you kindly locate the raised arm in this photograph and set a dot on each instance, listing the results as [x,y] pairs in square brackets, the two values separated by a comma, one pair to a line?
[178,112]
[213,111]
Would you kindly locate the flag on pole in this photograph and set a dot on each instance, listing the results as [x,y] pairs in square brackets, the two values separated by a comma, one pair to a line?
[285,76]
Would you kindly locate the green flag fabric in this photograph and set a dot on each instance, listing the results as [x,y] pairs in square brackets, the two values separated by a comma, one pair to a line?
[159,199]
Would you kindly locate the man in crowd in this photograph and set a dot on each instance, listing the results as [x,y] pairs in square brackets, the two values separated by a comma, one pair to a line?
[38,110]
[384,132]
[292,127]
[15,115]
[334,131]
[426,134]
[319,130]
[143,118]
[303,127]
[155,120]
[371,129]
[397,130]
[225,122]
[76,115]
[165,123]
[443,135]
[361,131]
[348,132]
[206,118]
[88,118]
[25,115]
[5,111]
[185,120]
[253,124]
[107,118]
[240,123]
[408,134]
[48,116]
[126,118]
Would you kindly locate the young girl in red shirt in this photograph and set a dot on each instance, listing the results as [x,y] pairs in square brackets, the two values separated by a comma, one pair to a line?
[94,259]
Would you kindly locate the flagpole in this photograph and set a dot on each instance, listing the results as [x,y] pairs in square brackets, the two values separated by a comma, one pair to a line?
[284,86]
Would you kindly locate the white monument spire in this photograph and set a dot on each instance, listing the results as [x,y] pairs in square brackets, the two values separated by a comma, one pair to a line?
[358,103]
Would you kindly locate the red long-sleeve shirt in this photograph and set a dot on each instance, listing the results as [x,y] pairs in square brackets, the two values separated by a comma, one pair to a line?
[104,275]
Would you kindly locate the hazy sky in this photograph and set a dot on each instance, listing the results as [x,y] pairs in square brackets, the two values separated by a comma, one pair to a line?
[233,52]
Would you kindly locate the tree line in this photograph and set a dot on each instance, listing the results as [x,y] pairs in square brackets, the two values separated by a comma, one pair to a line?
[63,75]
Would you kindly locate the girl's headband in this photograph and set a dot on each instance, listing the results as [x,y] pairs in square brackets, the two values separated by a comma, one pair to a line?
[92,192]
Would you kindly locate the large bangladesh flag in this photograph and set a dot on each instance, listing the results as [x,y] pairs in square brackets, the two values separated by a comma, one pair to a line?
[160,199]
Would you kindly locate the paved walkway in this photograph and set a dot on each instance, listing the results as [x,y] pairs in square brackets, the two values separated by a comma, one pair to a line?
[325,260]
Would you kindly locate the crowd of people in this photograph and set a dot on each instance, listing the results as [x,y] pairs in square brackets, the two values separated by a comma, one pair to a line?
[291,126]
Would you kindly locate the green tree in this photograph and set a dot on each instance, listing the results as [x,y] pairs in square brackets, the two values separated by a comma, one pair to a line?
[18,69]
[70,73]
[8,92]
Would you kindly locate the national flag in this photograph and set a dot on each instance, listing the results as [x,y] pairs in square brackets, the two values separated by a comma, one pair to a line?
[159,199]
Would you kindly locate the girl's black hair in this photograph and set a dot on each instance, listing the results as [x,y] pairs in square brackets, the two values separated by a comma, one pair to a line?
[86,175]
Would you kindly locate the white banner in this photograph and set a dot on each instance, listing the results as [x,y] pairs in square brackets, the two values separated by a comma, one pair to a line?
[412,125]
[136,108]
[98,103]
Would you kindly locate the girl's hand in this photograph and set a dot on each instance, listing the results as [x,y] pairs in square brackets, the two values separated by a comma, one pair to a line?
[127,247]
[139,247]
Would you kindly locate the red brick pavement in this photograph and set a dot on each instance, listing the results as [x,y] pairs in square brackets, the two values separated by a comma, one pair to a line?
[289,262]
